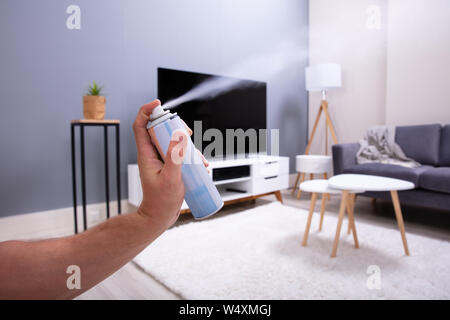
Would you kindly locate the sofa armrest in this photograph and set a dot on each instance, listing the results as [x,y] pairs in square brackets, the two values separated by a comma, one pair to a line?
[344,155]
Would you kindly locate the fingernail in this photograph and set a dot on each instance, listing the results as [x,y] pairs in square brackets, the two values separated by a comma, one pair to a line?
[180,139]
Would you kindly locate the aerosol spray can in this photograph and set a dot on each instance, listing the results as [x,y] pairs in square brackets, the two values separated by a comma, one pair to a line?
[200,193]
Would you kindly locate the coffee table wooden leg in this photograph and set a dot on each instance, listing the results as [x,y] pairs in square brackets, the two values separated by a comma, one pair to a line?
[399,216]
[325,176]
[349,225]
[296,183]
[322,210]
[340,219]
[302,178]
[351,218]
[347,209]
[308,223]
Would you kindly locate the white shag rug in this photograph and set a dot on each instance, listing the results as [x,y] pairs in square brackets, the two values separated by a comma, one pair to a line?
[257,254]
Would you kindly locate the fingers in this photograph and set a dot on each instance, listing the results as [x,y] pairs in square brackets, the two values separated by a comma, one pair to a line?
[187,128]
[175,154]
[144,145]
[205,162]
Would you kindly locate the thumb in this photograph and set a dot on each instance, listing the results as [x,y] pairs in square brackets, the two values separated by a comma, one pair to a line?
[175,153]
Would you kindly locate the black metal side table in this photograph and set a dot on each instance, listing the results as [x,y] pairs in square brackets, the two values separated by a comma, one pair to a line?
[82,124]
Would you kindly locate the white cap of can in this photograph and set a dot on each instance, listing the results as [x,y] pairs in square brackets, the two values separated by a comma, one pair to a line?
[158,115]
[157,112]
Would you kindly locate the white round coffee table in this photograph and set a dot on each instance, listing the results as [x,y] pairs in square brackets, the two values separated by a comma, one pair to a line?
[348,182]
[321,186]
[312,164]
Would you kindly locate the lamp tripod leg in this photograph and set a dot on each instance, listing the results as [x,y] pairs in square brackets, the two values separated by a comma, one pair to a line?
[329,122]
[313,132]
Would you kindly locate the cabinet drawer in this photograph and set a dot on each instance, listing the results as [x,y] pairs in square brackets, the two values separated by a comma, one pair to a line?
[270,184]
[267,169]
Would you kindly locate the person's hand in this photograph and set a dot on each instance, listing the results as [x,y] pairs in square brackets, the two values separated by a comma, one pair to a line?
[162,187]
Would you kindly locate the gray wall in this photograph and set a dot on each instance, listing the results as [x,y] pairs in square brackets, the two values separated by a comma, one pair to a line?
[45,69]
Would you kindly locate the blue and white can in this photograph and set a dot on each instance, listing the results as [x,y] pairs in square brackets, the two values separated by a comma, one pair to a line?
[200,193]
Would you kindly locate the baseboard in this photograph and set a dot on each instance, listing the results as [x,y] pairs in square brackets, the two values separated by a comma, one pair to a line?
[57,222]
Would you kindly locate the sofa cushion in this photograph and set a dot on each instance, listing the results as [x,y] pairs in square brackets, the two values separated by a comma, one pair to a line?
[436,179]
[420,143]
[444,155]
[389,170]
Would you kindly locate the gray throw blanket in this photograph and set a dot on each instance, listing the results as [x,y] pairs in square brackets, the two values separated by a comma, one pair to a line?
[379,146]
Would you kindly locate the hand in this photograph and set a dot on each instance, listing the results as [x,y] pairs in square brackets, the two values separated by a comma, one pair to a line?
[162,187]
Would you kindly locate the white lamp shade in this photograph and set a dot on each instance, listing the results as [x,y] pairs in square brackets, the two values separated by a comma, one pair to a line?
[323,77]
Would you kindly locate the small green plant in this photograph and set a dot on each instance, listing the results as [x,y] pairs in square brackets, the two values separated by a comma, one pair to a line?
[94,90]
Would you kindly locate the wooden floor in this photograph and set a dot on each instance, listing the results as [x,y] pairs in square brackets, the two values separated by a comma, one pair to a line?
[131,282]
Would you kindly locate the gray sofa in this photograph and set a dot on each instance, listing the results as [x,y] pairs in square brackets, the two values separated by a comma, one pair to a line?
[427,144]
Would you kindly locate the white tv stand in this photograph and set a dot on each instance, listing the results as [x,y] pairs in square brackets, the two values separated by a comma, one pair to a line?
[259,176]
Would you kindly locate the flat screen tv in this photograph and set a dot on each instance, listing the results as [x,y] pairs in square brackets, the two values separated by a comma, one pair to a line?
[241,108]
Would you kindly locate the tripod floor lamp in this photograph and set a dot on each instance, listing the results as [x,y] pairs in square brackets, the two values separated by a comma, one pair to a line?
[323,77]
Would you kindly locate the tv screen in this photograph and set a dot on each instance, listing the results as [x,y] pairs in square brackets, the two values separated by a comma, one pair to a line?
[243,107]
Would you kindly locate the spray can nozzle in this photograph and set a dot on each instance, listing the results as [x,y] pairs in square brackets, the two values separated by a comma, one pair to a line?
[157,112]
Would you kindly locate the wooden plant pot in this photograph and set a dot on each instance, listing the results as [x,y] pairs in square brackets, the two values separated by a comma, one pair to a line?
[94,107]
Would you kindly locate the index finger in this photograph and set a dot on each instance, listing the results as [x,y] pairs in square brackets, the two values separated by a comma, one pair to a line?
[189,130]
[143,143]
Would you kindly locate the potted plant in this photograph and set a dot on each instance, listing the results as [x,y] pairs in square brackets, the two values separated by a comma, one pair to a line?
[94,103]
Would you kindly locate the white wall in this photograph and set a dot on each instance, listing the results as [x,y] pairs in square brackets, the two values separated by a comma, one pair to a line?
[399,74]
[338,33]
[418,62]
